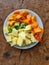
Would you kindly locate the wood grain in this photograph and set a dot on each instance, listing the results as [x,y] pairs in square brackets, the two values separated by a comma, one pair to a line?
[39,55]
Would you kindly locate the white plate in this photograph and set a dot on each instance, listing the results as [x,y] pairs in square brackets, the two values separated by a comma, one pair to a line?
[39,23]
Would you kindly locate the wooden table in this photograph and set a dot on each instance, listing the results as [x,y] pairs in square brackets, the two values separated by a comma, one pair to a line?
[39,55]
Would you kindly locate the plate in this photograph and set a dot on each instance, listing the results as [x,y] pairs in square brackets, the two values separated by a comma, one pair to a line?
[39,23]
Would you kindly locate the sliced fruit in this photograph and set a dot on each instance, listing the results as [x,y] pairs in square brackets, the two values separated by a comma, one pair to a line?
[18,16]
[17,12]
[10,17]
[34,24]
[38,37]
[29,16]
[33,18]
[38,30]
[24,12]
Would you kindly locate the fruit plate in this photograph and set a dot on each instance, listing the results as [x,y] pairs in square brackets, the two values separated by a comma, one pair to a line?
[39,23]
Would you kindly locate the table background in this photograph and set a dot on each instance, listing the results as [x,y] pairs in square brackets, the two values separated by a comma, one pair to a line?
[39,55]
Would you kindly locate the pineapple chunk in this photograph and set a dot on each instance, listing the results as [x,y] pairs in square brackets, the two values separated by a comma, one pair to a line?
[27,41]
[33,38]
[15,32]
[21,38]
[8,38]
[14,41]
[28,27]
[28,35]
[5,30]
[11,35]
[22,34]
[20,41]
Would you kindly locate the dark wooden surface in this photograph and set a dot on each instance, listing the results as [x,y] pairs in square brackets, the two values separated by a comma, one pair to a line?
[39,55]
